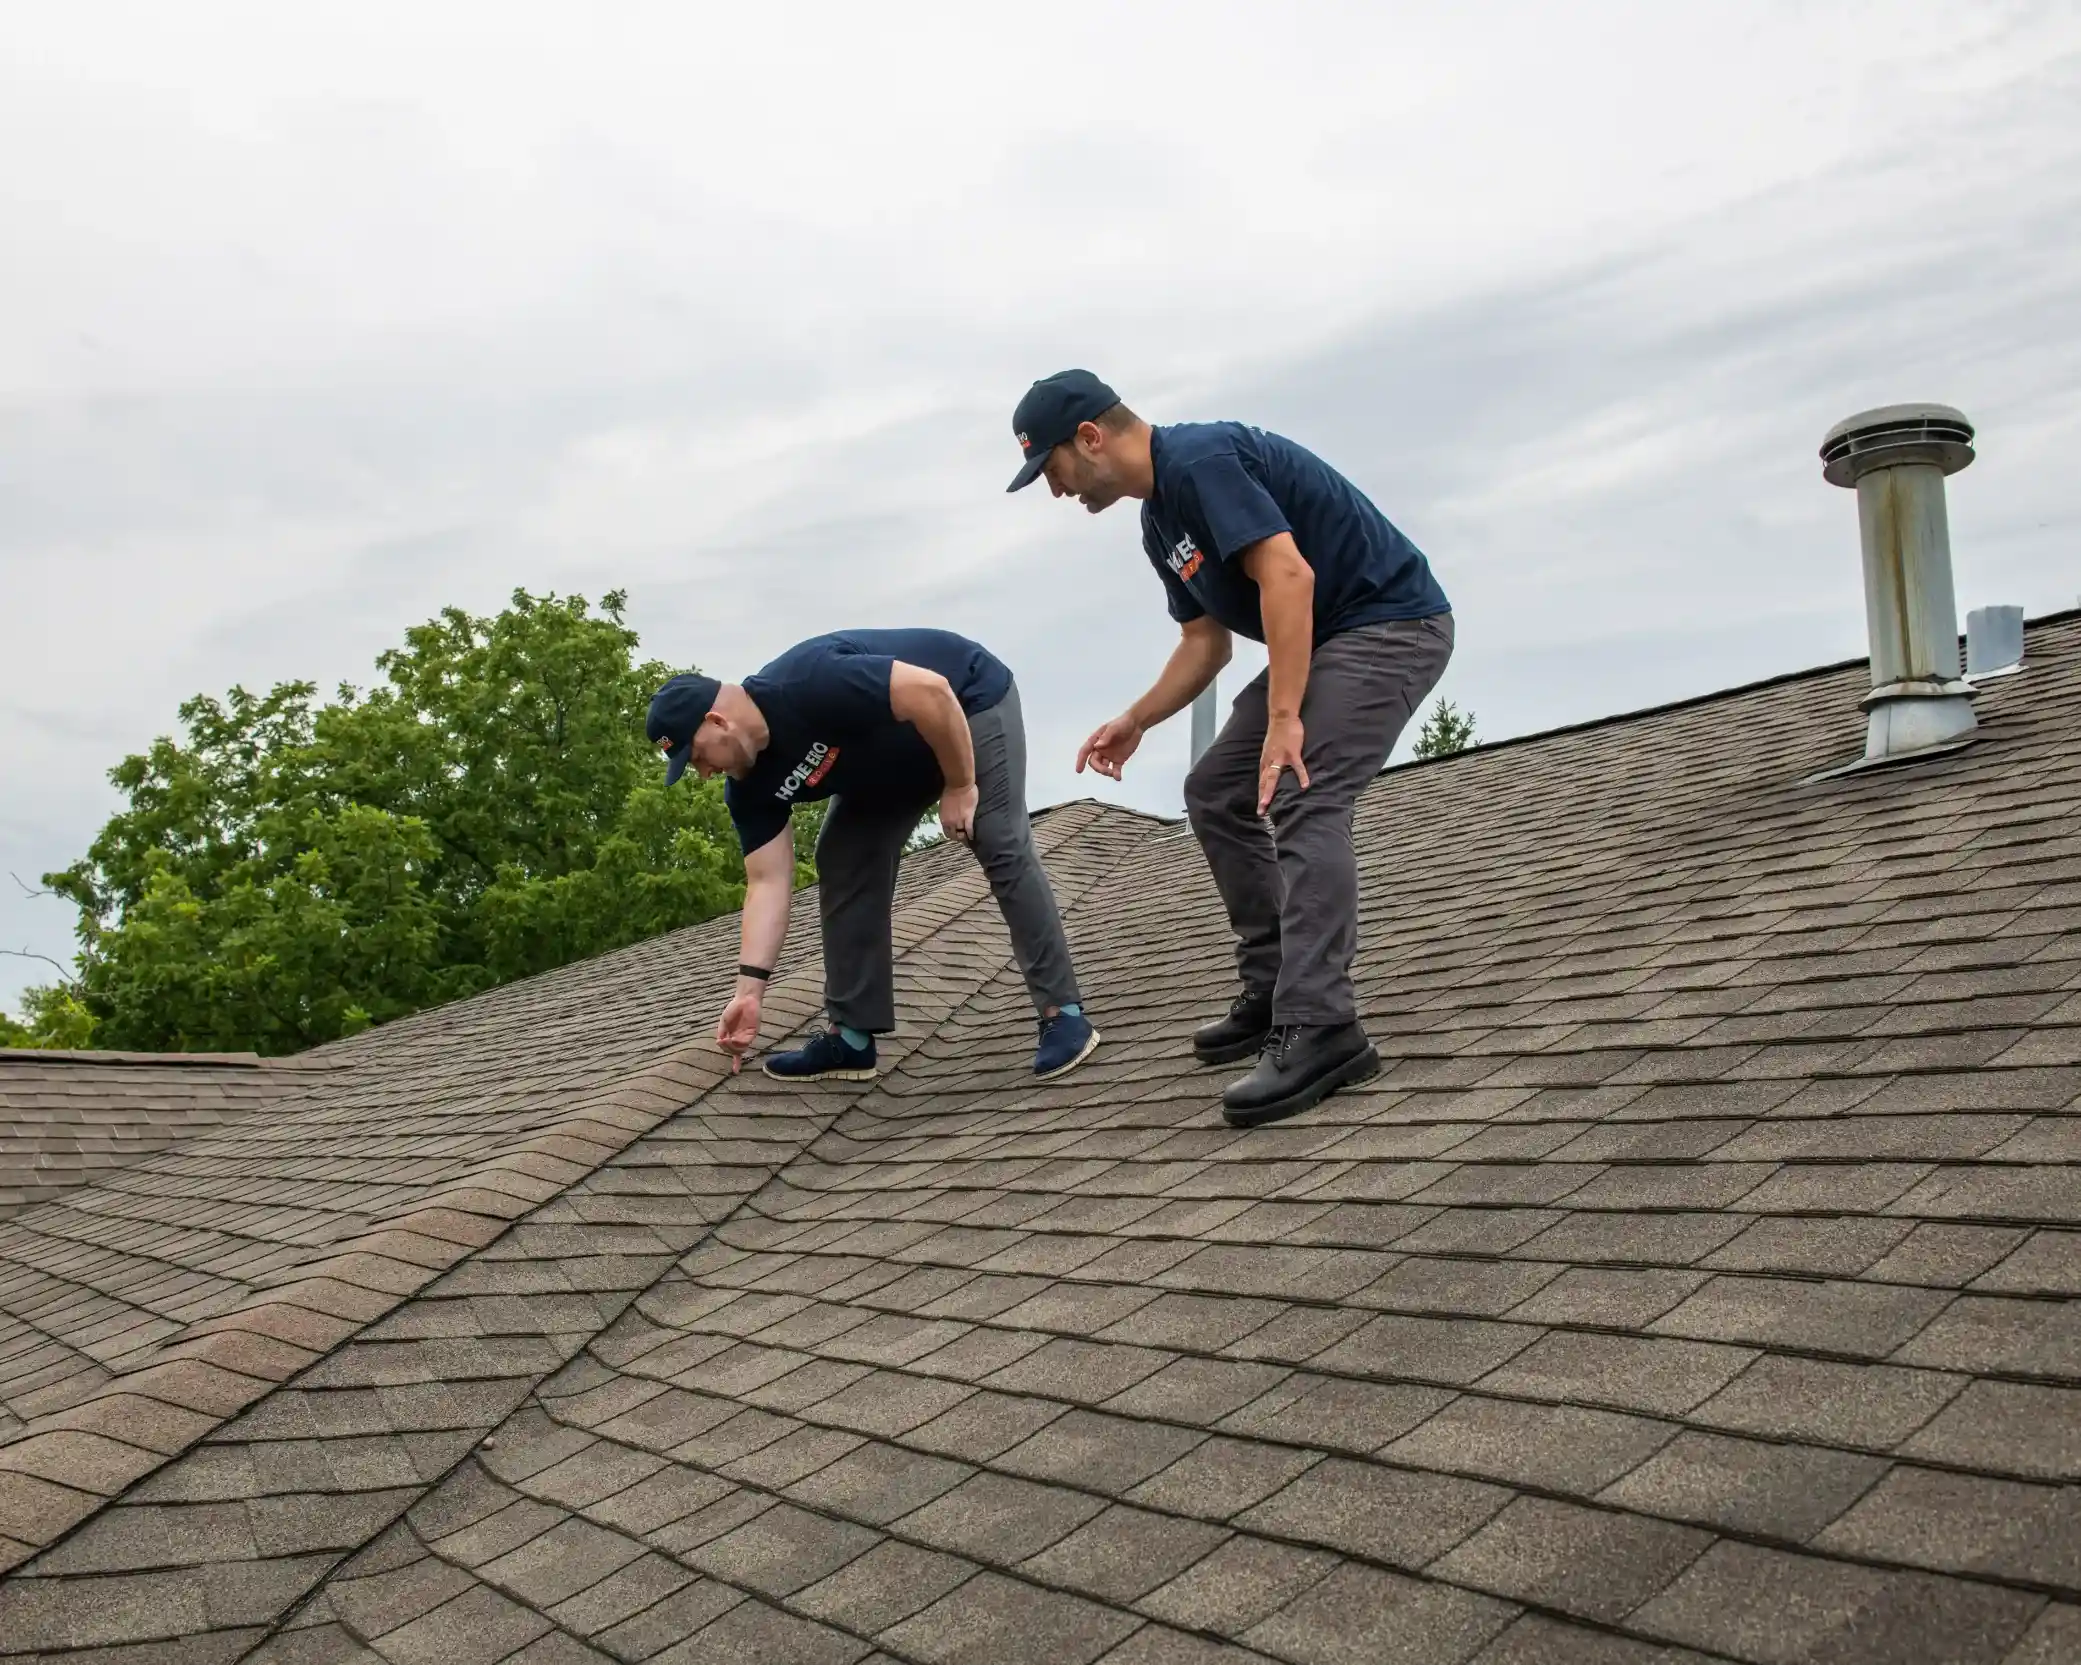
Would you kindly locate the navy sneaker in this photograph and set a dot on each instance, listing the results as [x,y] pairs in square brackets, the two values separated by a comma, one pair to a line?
[827,1058]
[1066,1040]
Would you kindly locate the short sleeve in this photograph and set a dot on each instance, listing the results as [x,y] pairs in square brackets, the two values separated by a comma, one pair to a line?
[759,818]
[1176,596]
[1236,511]
[843,692]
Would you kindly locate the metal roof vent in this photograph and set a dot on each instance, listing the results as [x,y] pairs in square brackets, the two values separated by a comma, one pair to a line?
[1206,718]
[1993,642]
[1897,457]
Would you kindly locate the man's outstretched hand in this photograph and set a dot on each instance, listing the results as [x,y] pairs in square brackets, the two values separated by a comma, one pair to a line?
[1110,746]
[738,1032]
[1283,738]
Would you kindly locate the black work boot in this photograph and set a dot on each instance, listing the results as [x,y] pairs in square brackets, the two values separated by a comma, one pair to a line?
[1239,1034]
[1301,1064]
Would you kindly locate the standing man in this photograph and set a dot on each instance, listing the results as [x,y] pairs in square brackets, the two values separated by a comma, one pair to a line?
[884,723]
[1251,533]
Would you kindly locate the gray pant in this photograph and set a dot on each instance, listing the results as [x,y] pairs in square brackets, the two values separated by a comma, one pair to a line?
[857,856]
[1292,891]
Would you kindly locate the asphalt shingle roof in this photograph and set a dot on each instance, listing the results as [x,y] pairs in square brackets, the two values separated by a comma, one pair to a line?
[67,1118]
[1695,1282]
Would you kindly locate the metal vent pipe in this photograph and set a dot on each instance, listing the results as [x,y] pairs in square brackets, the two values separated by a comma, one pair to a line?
[1896,457]
[1204,722]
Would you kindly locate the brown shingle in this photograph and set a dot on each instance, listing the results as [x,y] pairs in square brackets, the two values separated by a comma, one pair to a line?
[1593,1563]
[992,1620]
[1359,1614]
[1388,1514]
[1745,1601]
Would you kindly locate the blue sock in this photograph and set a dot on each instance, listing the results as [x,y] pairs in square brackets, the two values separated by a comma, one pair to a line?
[859,1040]
[1073,1010]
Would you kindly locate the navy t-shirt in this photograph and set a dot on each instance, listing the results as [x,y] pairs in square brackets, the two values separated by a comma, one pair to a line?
[1222,486]
[831,732]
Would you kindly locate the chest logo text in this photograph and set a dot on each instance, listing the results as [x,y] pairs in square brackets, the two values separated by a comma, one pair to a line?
[813,768]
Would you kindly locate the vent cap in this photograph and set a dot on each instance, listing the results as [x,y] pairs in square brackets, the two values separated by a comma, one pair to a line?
[1896,434]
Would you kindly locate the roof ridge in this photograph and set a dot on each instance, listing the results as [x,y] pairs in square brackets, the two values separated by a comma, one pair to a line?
[1110,808]
[171,1060]
[1689,702]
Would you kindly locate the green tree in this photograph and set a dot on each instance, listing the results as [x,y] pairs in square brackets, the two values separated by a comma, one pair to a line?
[289,872]
[53,1017]
[1446,730]
[926,833]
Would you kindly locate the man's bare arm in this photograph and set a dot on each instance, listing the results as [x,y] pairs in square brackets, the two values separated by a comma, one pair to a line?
[926,700]
[769,887]
[1203,648]
[1286,599]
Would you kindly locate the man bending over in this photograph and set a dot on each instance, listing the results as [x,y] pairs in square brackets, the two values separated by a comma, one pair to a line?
[883,723]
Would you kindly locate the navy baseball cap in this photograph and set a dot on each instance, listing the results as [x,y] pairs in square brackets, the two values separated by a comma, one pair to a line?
[676,711]
[1050,413]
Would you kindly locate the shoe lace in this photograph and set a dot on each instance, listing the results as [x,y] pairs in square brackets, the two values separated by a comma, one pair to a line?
[1243,1001]
[1277,1041]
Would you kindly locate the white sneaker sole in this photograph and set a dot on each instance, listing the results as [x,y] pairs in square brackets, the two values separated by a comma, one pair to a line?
[821,1075]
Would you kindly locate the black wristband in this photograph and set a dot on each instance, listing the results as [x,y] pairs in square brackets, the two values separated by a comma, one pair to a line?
[760,974]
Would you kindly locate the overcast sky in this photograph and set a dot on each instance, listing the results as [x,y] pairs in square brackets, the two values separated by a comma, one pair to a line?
[316,318]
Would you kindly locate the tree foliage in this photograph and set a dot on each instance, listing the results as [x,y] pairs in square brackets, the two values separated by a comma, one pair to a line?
[54,1016]
[287,872]
[1446,729]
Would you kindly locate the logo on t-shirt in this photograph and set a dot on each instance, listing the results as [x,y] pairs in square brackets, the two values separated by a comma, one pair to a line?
[1184,558]
[813,768]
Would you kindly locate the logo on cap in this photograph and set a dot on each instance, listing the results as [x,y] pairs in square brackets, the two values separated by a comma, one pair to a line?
[1049,416]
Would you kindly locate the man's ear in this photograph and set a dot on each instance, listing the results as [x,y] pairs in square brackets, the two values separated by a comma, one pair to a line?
[1091,436]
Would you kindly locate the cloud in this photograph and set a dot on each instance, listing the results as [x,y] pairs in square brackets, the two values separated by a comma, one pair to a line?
[310,330]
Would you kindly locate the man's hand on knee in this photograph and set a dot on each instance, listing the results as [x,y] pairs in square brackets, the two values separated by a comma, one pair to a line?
[957,806]
[1284,739]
